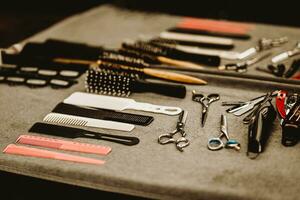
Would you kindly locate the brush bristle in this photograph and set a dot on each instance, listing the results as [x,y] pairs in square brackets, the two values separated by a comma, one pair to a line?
[109,82]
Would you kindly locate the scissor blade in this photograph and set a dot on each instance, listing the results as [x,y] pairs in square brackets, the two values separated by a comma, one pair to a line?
[236,108]
[249,106]
[224,126]
[203,119]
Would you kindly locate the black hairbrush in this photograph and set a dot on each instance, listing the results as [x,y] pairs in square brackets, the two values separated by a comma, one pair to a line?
[122,83]
[158,50]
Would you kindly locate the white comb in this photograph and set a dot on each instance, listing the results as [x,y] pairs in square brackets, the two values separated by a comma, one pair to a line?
[89,122]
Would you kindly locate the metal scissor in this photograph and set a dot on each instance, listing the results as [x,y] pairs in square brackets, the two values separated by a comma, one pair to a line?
[205,102]
[181,142]
[239,108]
[216,143]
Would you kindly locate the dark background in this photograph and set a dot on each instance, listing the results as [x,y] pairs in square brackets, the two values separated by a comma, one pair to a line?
[21,19]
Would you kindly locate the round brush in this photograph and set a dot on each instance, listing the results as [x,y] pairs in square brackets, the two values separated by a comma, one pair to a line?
[122,83]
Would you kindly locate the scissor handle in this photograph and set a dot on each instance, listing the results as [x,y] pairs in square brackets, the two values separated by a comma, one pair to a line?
[166,139]
[182,143]
[215,144]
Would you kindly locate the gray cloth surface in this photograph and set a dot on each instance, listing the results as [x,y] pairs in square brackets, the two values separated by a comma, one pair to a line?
[149,169]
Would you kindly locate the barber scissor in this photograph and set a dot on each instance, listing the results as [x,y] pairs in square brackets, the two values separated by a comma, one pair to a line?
[181,142]
[205,102]
[216,143]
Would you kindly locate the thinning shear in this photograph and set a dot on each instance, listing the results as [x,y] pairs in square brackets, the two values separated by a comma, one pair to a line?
[216,143]
[181,142]
[205,102]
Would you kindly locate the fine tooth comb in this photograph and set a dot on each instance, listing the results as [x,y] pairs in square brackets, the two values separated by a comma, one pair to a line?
[103,114]
[89,122]
[122,83]
[69,132]
[117,103]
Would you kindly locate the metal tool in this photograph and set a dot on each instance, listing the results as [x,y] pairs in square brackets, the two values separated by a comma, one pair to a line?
[239,108]
[263,44]
[216,143]
[250,117]
[242,66]
[277,70]
[205,102]
[181,142]
[287,54]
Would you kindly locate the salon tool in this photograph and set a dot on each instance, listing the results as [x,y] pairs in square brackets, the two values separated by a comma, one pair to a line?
[277,70]
[250,116]
[13,76]
[291,126]
[162,74]
[241,108]
[281,99]
[110,115]
[153,48]
[217,143]
[231,55]
[181,142]
[293,69]
[242,66]
[215,26]
[205,102]
[262,45]
[259,129]
[63,144]
[41,153]
[153,61]
[210,33]
[122,83]
[198,40]
[88,122]
[69,132]
[117,103]
[287,54]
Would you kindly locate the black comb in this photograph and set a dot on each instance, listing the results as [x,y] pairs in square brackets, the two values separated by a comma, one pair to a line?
[103,114]
[68,132]
[122,83]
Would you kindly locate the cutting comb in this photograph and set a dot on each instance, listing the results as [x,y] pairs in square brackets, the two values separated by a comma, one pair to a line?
[103,114]
[88,122]
[122,83]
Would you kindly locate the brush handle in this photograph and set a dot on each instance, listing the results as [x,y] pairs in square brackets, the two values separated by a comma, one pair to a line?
[181,78]
[171,90]
[179,64]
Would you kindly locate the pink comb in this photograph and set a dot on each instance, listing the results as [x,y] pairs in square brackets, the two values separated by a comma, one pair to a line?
[41,153]
[214,25]
[63,144]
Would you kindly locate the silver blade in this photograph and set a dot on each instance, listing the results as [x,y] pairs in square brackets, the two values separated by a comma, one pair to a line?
[249,107]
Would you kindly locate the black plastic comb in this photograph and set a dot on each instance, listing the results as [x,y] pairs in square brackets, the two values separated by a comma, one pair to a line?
[123,83]
[103,114]
[69,132]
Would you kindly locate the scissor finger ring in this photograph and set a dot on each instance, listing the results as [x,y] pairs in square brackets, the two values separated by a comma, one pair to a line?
[165,139]
[215,144]
[182,143]
[231,143]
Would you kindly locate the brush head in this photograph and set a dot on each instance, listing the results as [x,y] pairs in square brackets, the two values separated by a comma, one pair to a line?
[110,82]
